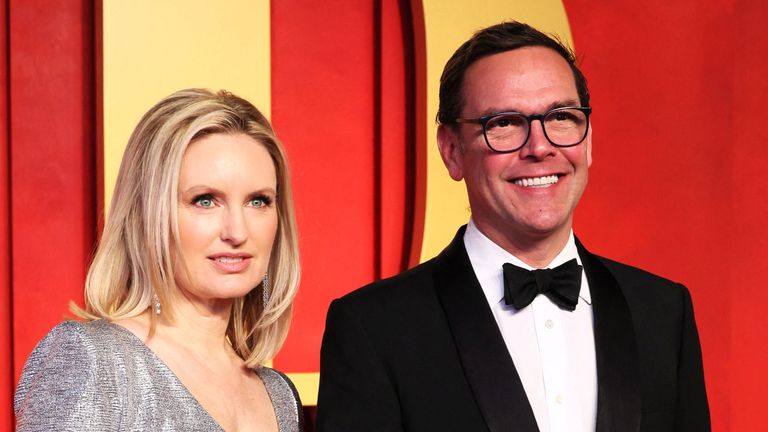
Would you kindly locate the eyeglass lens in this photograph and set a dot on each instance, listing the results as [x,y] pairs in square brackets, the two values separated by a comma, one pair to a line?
[563,127]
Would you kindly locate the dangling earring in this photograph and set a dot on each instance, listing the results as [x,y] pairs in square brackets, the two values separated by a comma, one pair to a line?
[156,301]
[265,290]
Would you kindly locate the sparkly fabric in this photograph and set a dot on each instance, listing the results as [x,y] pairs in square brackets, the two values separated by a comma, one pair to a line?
[98,376]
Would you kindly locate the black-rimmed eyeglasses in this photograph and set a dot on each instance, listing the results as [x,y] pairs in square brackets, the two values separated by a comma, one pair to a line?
[509,131]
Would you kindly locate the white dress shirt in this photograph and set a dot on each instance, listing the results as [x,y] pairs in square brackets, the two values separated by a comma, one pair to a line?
[553,349]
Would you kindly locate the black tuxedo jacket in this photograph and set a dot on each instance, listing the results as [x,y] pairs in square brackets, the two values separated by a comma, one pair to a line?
[422,352]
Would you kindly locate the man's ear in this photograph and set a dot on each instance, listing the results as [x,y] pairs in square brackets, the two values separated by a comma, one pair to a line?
[449,144]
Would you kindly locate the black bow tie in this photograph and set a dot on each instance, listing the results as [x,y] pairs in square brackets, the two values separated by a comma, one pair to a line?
[561,284]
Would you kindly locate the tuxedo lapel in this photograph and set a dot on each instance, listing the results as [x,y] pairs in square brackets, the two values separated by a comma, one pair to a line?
[487,364]
[618,374]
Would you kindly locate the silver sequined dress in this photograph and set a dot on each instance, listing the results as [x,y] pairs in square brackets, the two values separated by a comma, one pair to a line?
[98,376]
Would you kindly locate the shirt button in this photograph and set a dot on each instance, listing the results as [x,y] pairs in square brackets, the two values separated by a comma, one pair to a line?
[559,399]
[549,323]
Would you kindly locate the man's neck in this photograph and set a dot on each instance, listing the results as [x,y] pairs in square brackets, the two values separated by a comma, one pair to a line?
[535,249]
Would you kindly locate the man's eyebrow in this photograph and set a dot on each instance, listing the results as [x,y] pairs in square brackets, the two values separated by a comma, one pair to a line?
[493,110]
[556,104]
[563,103]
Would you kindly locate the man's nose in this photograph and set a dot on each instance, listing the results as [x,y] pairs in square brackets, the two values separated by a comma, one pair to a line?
[233,229]
[537,146]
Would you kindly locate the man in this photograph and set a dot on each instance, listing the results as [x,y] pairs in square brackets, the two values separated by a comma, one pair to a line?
[473,340]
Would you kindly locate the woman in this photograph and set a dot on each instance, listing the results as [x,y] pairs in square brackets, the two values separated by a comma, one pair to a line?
[190,290]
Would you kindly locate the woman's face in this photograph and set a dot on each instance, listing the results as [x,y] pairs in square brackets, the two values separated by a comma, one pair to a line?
[227,216]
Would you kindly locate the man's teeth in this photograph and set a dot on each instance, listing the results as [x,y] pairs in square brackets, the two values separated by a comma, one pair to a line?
[229,259]
[537,181]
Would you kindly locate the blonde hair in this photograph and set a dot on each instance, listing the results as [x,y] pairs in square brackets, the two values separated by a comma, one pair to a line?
[134,260]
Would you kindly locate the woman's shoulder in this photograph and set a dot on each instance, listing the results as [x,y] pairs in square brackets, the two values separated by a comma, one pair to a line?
[77,336]
[63,369]
[285,398]
[277,383]
[69,343]
[85,330]
[71,347]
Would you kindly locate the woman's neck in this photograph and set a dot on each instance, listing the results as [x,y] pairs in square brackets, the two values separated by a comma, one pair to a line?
[200,326]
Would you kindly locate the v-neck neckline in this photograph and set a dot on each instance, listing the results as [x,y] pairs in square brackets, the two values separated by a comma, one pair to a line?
[135,339]
[157,361]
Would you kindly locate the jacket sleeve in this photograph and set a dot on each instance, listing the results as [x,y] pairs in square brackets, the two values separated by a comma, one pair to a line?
[356,393]
[692,406]
[54,388]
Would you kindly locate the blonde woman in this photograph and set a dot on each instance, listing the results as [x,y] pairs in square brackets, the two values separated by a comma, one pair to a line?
[190,290]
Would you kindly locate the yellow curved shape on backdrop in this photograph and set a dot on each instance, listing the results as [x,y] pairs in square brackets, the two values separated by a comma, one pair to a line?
[152,48]
[448,23]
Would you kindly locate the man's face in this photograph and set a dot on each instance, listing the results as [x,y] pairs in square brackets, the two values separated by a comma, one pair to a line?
[530,80]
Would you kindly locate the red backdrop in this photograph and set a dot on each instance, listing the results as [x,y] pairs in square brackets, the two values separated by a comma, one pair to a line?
[676,187]
[48,122]
[679,91]
[348,129]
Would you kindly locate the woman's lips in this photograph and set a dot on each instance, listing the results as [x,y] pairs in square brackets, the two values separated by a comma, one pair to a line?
[231,263]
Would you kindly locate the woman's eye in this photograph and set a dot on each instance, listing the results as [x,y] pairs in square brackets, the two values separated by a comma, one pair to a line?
[260,201]
[257,202]
[203,201]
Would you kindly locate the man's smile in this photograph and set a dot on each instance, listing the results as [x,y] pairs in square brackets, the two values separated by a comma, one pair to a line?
[543,181]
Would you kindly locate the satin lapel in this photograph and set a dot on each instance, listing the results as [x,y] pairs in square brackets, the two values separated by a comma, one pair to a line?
[487,364]
[618,374]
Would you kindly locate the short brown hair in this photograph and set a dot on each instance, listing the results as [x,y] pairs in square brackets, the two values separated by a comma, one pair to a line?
[496,39]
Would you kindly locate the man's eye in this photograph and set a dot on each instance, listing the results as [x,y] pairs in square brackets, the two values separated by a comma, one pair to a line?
[566,115]
[506,121]
[562,116]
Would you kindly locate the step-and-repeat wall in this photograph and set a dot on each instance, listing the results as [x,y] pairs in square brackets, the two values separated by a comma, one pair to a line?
[678,91]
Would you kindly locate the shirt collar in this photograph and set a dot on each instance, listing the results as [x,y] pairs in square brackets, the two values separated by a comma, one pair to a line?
[487,259]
